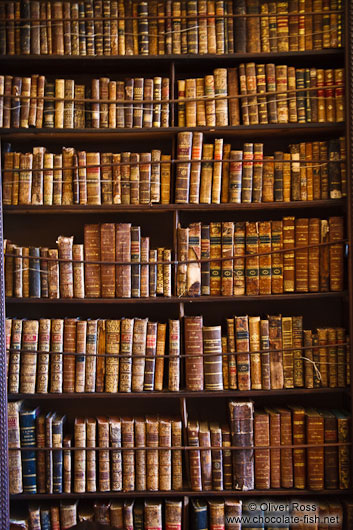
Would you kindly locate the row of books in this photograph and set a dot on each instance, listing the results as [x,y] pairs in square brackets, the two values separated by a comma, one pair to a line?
[81,177]
[37,102]
[249,176]
[91,470]
[30,276]
[300,95]
[222,513]
[163,28]
[220,457]
[136,346]
[134,355]
[237,259]
[267,269]
[309,171]
[146,514]
[246,468]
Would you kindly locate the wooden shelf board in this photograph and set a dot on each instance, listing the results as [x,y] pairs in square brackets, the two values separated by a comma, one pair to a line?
[118,208]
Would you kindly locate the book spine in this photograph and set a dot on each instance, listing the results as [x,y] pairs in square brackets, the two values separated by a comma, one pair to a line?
[276,356]
[123,254]
[69,360]
[252,263]
[126,340]
[91,352]
[286,454]
[213,358]
[91,464]
[241,423]
[66,278]
[215,252]
[262,456]
[194,351]
[265,261]
[28,440]
[116,457]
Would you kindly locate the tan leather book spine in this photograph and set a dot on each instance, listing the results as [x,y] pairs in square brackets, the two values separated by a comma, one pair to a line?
[8,178]
[25,101]
[227,251]
[69,109]
[195,172]
[25,190]
[194,456]
[116,178]
[247,170]
[217,172]
[210,101]
[152,441]
[276,356]
[206,174]
[128,441]
[106,178]
[220,82]
[262,456]
[167,273]
[48,176]
[215,252]
[91,351]
[56,360]
[232,365]
[53,274]
[255,358]
[239,263]
[116,456]
[59,103]
[265,355]
[268,179]
[315,455]
[212,347]
[18,272]
[152,514]
[126,337]
[173,514]
[194,352]
[43,356]
[165,179]
[205,456]
[288,257]
[28,368]
[79,475]
[252,263]
[66,269]
[101,351]
[177,466]
[301,256]
[91,464]
[141,466]
[15,357]
[190,106]
[78,271]
[67,175]
[322,334]
[200,103]
[151,347]
[156,176]
[112,346]
[138,354]
[265,261]
[159,281]
[235,176]
[314,255]
[57,180]
[160,353]
[123,254]
[147,285]
[288,361]
[336,233]
[107,253]
[308,366]
[93,178]
[277,258]
[174,356]
[103,454]
[69,360]
[80,371]
[242,343]
[165,455]
[15,463]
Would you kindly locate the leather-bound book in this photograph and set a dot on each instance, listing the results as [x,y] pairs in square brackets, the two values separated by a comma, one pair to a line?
[297,337]
[25,101]
[177,467]
[301,256]
[173,514]
[247,170]
[227,458]
[251,89]
[315,455]
[145,178]
[25,181]
[244,101]
[241,424]
[322,334]
[206,456]
[91,464]
[116,457]
[43,356]
[239,263]
[101,351]
[140,458]
[9,269]
[314,255]
[123,254]
[253,43]
[194,253]
[107,253]
[262,456]
[205,254]
[252,263]
[190,103]
[16,102]
[233,90]
[276,356]
[57,180]
[288,257]
[174,356]
[151,348]
[217,457]
[303,173]
[292,101]
[282,96]
[80,456]
[257,173]
[159,274]
[275,454]
[37,177]
[299,455]
[330,453]
[127,430]
[80,370]
[127,177]
[286,454]
[308,366]
[195,172]
[67,175]
[268,179]
[199,516]
[344,460]
[183,170]
[116,514]
[216,511]
[66,268]
[215,252]
[265,260]
[324,257]
[265,355]
[288,361]
[194,456]
[40,442]
[210,101]
[233,510]
[194,352]
[69,360]
[261,88]
[57,433]
[271,87]
[341,376]
[336,233]
[152,514]
[225,174]
[152,441]
[242,348]
[206,174]
[220,78]
[232,364]
[48,176]
[125,373]
[15,465]
[34,272]
[278,176]
[53,274]
[138,354]
[91,350]
[106,177]
[165,179]
[78,271]
[217,171]
[235,176]
[49,454]
[92,253]
[93,178]
[147,272]
[165,455]
[255,357]
[160,353]
[8,178]
[18,273]
[103,454]
[112,348]
[212,348]
[227,251]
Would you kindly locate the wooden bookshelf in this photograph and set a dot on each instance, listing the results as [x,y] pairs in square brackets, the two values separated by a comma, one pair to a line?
[19,220]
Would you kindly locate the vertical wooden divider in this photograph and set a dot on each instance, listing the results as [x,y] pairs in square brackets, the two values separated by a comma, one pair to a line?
[172,93]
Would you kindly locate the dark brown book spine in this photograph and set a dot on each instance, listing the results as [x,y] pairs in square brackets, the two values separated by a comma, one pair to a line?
[241,424]
[194,353]
[92,253]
